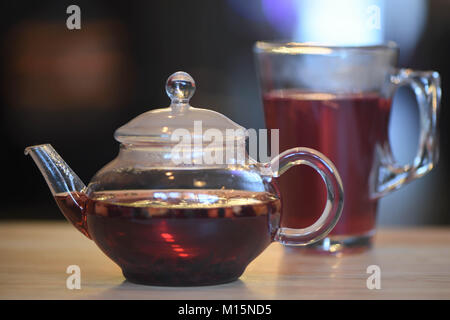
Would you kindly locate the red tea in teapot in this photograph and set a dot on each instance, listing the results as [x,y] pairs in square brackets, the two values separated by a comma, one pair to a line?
[178,237]
[347,129]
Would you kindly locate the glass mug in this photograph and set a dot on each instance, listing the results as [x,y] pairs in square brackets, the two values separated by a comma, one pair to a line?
[337,100]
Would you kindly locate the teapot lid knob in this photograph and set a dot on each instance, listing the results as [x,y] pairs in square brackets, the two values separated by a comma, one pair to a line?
[159,125]
[180,87]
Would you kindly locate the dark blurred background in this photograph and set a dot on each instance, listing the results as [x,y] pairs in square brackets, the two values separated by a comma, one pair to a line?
[73,88]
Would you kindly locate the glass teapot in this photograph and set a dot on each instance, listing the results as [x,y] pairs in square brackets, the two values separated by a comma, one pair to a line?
[183,203]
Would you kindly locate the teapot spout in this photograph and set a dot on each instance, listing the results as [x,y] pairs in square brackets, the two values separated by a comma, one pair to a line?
[66,187]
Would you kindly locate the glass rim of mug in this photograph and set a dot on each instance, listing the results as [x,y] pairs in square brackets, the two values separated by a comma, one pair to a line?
[293,48]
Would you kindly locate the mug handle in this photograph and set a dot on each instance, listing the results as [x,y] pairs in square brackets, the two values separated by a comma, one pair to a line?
[335,194]
[391,176]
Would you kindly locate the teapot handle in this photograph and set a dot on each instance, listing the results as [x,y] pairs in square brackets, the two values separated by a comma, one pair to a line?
[335,194]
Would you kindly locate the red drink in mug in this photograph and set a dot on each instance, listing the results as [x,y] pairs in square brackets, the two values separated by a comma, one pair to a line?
[337,100]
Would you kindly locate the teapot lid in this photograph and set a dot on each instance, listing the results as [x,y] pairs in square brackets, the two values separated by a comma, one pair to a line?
[158,126]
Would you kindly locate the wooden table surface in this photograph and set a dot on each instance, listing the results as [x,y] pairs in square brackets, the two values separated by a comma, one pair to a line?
[414,264]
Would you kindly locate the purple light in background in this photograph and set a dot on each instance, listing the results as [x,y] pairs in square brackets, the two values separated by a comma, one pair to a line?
[248,9]
[281,14]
